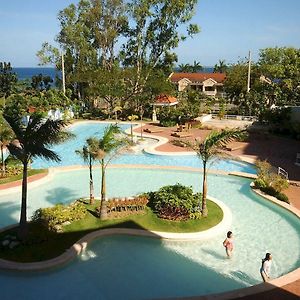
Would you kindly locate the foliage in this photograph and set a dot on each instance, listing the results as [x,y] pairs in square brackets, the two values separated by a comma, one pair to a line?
[209,149]
[175,202]
[130,75]
[55,217]
[33,140]
[132,205]
[187,68]
[268,179]
[281,65]
[40,82]
[8,79]
[221,67]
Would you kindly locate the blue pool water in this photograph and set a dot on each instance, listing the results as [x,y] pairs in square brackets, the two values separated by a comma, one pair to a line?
[121,267]
[84,131]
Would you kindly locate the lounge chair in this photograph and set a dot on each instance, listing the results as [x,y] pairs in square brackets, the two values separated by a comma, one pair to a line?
[153,130]
[181,134]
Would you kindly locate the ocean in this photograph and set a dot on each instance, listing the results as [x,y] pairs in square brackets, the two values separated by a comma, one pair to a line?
[27,73]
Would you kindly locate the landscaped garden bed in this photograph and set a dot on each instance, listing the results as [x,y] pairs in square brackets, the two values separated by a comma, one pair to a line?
[44,243]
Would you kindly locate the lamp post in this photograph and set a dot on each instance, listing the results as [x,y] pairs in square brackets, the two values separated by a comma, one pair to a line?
[249,71]
[63,73]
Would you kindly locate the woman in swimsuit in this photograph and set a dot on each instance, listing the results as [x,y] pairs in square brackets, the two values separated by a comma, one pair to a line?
[266,267]
[228,244]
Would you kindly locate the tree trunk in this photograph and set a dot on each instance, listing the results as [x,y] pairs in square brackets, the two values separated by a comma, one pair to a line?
[23,227]
[91,182]
[204,192]
[103,206]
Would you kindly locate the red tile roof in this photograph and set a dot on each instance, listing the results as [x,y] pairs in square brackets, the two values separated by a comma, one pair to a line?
[198,77]
[165,99]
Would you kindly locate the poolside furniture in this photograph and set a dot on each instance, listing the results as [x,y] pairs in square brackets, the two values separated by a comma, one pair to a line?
[181,134]
[153,130]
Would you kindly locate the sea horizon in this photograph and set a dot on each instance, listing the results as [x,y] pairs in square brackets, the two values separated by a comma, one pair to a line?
[25,73]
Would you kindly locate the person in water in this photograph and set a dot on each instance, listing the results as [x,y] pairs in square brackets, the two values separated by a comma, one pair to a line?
[266,267]
[228,243]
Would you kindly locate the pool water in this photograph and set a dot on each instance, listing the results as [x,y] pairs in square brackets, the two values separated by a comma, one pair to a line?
[120,267]
[86,130]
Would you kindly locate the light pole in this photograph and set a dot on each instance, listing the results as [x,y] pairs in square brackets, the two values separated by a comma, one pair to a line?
[249,71]
[63,73]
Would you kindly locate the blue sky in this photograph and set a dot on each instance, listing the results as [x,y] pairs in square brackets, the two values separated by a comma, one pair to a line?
[229,29]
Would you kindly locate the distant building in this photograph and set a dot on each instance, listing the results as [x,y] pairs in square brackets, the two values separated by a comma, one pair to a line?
[211,84]
[165,100]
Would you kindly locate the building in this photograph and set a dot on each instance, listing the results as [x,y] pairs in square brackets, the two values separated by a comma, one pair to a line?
[211,84]
[163,101]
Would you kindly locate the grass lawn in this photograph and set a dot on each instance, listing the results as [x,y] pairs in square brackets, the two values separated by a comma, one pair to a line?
[18,177]
[44,245]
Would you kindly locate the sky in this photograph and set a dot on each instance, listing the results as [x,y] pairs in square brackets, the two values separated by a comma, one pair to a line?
[229,29]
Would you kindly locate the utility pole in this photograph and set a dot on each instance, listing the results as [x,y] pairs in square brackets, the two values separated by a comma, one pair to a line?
[249,71]
[63,72]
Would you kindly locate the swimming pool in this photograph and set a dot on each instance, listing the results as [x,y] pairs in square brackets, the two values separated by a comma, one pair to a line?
[85,130]
[143,268]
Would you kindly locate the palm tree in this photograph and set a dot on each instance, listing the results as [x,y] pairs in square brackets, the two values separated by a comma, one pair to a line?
[33,140]
[87,153]
[108,147]
[6,136]
[196,67]
[209,149]
[185,68]
[220,67]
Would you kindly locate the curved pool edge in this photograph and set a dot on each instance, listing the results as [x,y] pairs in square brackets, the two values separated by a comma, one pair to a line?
[76,249]
[279,282]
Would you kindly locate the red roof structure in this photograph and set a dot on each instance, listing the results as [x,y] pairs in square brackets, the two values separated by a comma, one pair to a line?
[165,100]
[198,77]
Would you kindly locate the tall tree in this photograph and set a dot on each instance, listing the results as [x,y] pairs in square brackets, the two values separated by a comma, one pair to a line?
[221,67]
[40,82]
[152,35]
[281,65]
[108,147]
[7,79]
[208,150]
[196,67]
[6,136]
[89,155]
[185,68]
[32,140]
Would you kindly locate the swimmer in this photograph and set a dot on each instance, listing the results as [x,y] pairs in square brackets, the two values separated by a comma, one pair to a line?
[228,244]
[266,267]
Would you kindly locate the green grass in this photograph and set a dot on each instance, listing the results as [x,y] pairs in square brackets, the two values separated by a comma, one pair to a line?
[19,176]
[43,245]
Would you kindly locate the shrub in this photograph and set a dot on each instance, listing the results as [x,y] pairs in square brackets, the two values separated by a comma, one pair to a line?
[128,204]
[175,202]
[267,177]
[283,197]
[54,217]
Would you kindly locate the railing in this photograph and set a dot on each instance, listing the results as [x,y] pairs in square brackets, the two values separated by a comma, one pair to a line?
[236,117]
[283,173]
